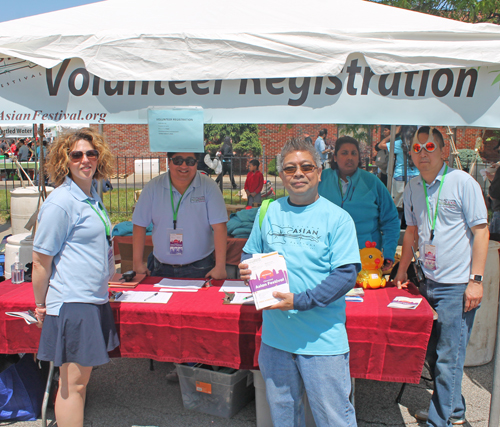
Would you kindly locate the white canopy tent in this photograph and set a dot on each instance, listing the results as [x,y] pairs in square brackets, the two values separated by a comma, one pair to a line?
[335,61]
[156,53]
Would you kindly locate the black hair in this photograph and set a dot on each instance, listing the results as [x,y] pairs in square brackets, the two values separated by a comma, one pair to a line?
[340,142]
[323,132]
[438,136]
[255,163]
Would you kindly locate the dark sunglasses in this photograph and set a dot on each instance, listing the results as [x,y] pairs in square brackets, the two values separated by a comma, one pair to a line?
[290,170]
[178,160]
[76,155]
[429,146]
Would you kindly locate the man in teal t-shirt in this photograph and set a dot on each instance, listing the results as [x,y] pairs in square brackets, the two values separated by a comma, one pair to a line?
[304,340]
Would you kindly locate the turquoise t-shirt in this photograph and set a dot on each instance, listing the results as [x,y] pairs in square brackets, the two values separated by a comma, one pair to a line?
[314,240]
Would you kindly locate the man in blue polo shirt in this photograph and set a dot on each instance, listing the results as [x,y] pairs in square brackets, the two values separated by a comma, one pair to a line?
[189,223]
[446,214]
[304,340]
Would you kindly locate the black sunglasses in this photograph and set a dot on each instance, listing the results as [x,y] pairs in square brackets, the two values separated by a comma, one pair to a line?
[78,155]
[178,160]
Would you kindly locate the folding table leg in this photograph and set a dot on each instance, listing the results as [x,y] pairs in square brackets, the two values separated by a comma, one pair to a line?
[47,394]
[400,394]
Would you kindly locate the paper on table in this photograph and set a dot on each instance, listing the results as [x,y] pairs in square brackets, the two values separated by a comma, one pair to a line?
[181,284]
[23,315]
[234,286]
[404,302]
[242,298]
[149,297]
[162,289]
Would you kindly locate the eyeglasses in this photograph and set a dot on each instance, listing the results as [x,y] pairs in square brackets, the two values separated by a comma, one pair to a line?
[178,161]
[76,155]
[290,170]
[429,146]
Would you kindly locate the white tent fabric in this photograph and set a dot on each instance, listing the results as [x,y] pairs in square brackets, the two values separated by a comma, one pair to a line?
[223,39]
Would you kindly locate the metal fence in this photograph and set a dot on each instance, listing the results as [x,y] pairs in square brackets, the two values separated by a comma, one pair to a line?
[133,173]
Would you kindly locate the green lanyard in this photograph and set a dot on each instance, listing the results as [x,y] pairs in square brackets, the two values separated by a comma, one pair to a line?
[174,210]
[107,223]
[433,223]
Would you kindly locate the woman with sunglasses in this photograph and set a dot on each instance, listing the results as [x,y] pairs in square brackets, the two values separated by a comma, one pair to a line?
[72,263]
[363,196]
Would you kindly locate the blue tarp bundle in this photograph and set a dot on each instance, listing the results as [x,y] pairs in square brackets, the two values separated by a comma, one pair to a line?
[240,224]
[125,229]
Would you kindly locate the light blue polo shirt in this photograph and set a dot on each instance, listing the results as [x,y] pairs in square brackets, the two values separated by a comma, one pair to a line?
[71,232]
[314,240]
[320,147]
[461,206]
[201,206]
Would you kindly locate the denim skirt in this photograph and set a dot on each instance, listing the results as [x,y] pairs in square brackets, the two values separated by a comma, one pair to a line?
[82,333]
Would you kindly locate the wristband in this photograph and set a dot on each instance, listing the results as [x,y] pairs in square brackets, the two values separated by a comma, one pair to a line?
[40,305]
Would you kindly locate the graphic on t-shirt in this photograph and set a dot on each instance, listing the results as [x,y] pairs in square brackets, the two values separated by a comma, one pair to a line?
[283,235]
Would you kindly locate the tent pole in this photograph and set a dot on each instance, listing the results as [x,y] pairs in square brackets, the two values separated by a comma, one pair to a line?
[494,418]
[390,166]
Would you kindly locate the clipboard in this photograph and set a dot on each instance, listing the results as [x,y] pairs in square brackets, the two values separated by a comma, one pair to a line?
[115,281]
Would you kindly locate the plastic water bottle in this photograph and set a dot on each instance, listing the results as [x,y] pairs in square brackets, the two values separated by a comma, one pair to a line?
[17,271]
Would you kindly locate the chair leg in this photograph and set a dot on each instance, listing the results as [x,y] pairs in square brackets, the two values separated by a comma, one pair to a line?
[151,365]
[400,395]
[47,394]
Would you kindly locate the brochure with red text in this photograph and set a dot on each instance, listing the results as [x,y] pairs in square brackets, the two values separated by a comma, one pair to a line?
[269,274]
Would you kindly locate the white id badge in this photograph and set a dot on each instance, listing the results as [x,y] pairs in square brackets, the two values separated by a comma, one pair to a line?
[111,260]
[176,243]
[430,256]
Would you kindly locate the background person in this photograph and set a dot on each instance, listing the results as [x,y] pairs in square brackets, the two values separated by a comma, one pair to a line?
[398,181]
[304,341]
[227,164]
[363,196]
[24,152]
[321,148]
[72,263]
[446,215]
[254,183]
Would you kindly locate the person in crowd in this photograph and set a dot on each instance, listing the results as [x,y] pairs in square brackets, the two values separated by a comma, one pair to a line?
[446,216]
[72,263]
[254,183]
[227,164]
[202,166]
[402,156]
[494,195]
[321,148]
[364,197]
[304,340]
[24,152]
[13,148]
[4,147]
[44,144]
[386,137]
[189,224]
[307,138]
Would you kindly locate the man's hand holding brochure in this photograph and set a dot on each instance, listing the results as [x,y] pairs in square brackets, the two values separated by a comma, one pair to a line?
[268,281]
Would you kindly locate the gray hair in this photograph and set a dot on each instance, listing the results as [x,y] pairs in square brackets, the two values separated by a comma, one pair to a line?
[297,144]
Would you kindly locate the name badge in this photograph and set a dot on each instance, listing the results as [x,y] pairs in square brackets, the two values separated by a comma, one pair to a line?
[175,238]
[430,256]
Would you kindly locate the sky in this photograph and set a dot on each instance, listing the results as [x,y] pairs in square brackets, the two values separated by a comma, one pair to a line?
[22,8]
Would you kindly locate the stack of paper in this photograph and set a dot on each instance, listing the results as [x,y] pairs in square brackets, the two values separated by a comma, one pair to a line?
[238,286]
[404,302]
[139,296]
[355,295]
[26,315]
[173,285]
[269,274]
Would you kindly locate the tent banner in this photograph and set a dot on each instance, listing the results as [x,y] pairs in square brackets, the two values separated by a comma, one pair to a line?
[69,94]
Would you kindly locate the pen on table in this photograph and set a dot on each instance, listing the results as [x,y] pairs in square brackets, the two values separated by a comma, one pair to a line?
[207,283]
[249,296]
[151,296]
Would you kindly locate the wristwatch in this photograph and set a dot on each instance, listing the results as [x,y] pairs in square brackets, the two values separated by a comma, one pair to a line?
[42,305]
[476,277]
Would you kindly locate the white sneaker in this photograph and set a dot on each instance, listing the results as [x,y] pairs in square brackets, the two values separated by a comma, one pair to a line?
[423,415]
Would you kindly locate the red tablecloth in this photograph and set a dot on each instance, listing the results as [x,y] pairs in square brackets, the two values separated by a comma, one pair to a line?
[386,344]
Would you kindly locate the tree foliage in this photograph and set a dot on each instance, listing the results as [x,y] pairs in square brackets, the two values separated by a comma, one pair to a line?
[461,10]
[245,137]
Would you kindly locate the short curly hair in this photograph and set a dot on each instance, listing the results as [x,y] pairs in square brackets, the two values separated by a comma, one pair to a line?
[58,159]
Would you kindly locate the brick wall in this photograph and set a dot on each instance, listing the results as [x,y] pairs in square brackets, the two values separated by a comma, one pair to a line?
[133,141]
